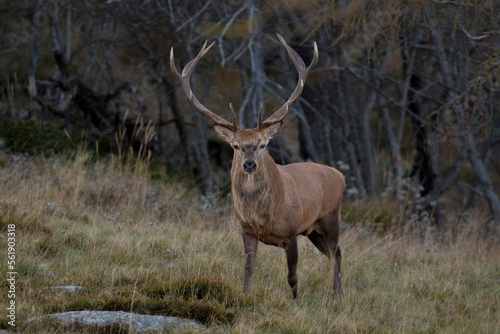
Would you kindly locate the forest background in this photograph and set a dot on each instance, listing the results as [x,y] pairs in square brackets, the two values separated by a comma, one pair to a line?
[404,99]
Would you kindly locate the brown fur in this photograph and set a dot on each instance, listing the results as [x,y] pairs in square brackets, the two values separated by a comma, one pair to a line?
[276,203]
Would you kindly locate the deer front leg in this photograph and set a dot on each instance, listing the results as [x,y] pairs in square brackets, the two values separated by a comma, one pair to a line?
[250,242]
[292,256]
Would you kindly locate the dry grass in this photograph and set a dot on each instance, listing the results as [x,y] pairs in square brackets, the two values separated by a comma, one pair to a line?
[159,248]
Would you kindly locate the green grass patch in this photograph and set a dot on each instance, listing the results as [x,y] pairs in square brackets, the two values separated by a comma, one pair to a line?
[32,137]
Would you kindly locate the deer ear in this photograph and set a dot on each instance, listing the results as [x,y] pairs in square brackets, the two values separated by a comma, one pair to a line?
[272,130]
[224,133]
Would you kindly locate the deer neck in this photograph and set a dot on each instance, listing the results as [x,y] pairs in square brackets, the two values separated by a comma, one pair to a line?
[256,196]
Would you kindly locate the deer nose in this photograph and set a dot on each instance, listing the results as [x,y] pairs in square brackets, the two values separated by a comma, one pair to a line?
[249,166]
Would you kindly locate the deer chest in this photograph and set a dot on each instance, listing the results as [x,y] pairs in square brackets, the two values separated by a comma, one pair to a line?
[259,219]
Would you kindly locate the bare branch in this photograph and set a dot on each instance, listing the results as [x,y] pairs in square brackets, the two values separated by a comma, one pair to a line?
[198,13]
[484,35]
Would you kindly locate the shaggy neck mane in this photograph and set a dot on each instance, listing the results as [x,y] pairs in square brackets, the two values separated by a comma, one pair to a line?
[261,191]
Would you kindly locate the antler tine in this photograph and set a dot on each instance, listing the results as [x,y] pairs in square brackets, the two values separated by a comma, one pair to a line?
[235,120]
[185,79]
[303,74]
[259,126]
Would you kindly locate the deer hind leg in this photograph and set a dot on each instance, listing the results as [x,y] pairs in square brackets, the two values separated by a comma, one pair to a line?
[326,241]
[319,241]
[292,256]
[327,245]
[332,231]
[250,242]
[337,283]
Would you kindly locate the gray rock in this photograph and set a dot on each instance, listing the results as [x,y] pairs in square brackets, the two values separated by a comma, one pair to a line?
[68,288]
[138,322]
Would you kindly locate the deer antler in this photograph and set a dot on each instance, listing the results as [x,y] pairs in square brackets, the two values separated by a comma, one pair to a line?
[303,74]
[186,76]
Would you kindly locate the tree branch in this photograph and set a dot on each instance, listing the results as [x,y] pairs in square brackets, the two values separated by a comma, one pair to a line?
[484,35]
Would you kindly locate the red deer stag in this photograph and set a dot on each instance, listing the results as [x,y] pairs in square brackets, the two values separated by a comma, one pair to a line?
[274,203]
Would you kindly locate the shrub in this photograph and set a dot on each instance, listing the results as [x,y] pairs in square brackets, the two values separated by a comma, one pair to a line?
[29,136]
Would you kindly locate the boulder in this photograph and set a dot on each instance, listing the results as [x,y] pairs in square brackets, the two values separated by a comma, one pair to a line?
[139,323]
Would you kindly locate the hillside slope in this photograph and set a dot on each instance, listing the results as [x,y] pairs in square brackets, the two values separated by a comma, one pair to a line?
[157,247]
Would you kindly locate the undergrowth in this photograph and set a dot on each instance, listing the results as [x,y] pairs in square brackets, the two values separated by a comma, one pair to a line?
[31,137]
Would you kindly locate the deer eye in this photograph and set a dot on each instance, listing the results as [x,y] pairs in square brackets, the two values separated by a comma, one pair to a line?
[236,147]
[262,146]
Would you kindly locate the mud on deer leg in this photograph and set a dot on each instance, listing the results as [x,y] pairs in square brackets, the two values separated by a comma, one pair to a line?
[292,256]
[250,242]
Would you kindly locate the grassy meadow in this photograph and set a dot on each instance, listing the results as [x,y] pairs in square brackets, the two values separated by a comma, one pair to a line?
[149,245]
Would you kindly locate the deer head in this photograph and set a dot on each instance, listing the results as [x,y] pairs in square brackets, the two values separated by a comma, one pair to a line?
[248,144]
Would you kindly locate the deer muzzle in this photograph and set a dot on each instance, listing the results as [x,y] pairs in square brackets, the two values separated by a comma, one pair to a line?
[249,166]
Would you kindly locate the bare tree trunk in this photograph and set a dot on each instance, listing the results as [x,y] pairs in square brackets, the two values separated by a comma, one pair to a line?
[246,90]
[109,50]
[161,121]
[306,141]
[397,173]
[483,179]
[328,129]
[349,133]
[34,53]
[199,135]
[473,195]
[257,74]
[333,137]
[396,177]
[55,29]
[68,31]
[180,124]
[425,161]
[366,140]
[258,77]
